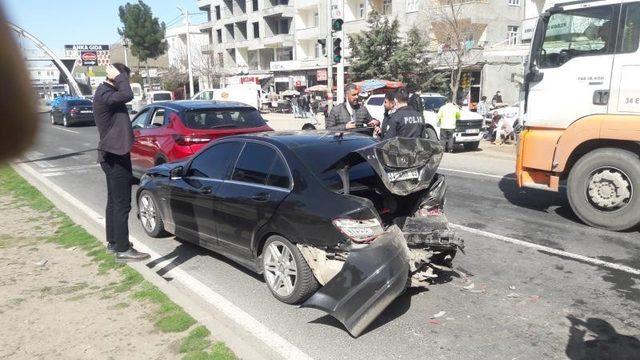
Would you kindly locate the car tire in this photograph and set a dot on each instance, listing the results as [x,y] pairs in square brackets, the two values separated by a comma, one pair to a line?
[64,121]
[149,215]
[277,255]
[430,134]
[598,175]
[471,146]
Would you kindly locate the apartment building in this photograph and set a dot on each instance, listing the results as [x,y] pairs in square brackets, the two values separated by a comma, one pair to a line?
[284,40]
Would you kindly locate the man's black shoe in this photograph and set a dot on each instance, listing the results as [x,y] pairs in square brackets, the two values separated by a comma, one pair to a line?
[130,256]
[111,248]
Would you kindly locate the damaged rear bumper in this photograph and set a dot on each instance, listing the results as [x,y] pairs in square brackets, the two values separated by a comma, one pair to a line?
[370,279]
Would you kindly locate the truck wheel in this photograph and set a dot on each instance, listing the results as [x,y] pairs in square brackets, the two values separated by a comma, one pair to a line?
[431,134]
[471,146]
[604,189]
[286,272]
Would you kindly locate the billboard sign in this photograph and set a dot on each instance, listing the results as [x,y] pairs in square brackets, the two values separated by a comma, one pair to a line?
[80,47]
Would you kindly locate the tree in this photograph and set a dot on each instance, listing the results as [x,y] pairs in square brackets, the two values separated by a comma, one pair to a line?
[145,32]
[456,36]
[380,52]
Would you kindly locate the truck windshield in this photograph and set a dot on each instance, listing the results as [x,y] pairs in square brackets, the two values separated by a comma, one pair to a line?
[433,103]
[240,118]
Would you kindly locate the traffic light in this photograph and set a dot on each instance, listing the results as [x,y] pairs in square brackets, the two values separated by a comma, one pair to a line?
[336,24]
[337,50]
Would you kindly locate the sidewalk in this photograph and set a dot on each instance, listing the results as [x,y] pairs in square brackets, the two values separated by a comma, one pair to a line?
[65,298]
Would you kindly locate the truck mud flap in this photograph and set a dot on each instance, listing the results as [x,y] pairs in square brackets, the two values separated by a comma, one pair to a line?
[371,278]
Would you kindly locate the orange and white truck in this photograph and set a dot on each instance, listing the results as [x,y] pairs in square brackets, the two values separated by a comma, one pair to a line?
[582,110]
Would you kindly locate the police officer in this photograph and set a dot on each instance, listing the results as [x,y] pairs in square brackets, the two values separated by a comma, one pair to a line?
[405,121]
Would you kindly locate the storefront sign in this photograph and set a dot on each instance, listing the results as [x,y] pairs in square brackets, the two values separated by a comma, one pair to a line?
[89,58]
[285,65]
[321,75]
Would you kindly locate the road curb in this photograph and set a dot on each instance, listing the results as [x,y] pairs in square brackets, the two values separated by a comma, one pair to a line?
[242,333]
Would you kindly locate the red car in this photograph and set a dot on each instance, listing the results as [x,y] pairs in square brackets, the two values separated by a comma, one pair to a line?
[174,130]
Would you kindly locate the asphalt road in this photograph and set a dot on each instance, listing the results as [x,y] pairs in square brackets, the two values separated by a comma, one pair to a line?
[507,301]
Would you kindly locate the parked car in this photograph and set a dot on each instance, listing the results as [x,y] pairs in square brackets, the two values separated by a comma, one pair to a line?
[72,111]
[173,130]
[138,101]
[159,96]
[469,128]
[360,218]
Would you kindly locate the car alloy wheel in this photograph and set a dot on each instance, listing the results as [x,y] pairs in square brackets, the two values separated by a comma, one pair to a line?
[64,121]
[147,213]
[53,120]
[281,272]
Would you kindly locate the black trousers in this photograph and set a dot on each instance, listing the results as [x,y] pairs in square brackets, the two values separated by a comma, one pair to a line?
[446,139]
[117,169]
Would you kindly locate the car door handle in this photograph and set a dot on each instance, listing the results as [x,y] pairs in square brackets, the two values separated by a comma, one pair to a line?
[206,190]
[261,197]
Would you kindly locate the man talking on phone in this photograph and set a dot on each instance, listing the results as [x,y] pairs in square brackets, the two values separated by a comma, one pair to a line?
[116,138]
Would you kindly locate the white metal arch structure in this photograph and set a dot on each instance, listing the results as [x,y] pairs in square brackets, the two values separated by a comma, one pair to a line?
[73,85]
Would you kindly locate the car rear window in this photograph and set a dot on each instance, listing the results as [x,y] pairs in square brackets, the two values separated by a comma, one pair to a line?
[79,103]
[375,101]
[319,158]
[161,97]
[232,118]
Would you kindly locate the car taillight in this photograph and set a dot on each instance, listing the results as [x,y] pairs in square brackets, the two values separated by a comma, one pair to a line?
[73,111]
[361,231]
[191,139]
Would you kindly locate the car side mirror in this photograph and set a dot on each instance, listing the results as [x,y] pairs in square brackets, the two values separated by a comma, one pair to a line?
[534,75]
[176,173]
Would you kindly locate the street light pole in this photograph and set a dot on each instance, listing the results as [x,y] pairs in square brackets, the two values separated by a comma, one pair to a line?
[185,14]
[329,58]
[125,45]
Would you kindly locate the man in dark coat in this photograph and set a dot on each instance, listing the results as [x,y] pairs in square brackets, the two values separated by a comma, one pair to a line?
[116,138]
[351,114]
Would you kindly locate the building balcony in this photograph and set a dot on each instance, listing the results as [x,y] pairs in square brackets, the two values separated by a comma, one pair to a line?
[303,4]
[313,63]
[310,33]
[355,26]
[209,48]
[279,10]
[207,25]
[279,40]
[203,4]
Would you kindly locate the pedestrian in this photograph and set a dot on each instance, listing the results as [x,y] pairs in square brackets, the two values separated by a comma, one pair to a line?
[116,139]
[351,113]
[448,115]
[295,106]
[306,107]
[504,130]
[389,105]
[483,107]
[497,99]
[415,100]
[405,121]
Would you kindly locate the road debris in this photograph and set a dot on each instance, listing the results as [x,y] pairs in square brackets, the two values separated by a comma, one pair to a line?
[440,314]
[434,322]
[513,295]
[42,263]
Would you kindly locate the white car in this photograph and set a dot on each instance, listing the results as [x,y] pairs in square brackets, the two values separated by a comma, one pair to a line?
[159,96]
[469,128]
[508,112]
[245,93]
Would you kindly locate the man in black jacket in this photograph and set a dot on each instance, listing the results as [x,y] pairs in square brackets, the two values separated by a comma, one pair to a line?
[116,138]
[350,114]
[405,121]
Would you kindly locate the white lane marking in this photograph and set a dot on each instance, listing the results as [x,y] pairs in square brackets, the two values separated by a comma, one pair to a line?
[70,168]
[479,173]
[248,322]
[589,260]
[63,129]
[33,156]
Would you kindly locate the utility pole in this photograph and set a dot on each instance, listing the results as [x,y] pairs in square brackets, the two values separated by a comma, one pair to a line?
[185,14]
[328,48]
[125,45]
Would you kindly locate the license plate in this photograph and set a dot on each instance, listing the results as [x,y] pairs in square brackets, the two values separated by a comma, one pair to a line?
[472,131]
[403,175]
[86,112]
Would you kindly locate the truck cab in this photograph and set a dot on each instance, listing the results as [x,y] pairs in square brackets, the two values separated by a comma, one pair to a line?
[582,110]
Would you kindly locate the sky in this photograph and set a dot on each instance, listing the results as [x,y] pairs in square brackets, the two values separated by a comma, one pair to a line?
[58,23]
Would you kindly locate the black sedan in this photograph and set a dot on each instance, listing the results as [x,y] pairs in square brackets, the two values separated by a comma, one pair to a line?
[72,112]
[338,221]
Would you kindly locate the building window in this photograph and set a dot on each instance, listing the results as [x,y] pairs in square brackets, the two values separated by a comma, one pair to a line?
[254,5]
[513,2]
[386,7]
[283,26]
[218,15]
[361,13]
[316,19]
[320,48]
[284,54]
[512,35]
[220,59]
[256,30]
[219,34]
[412,5]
